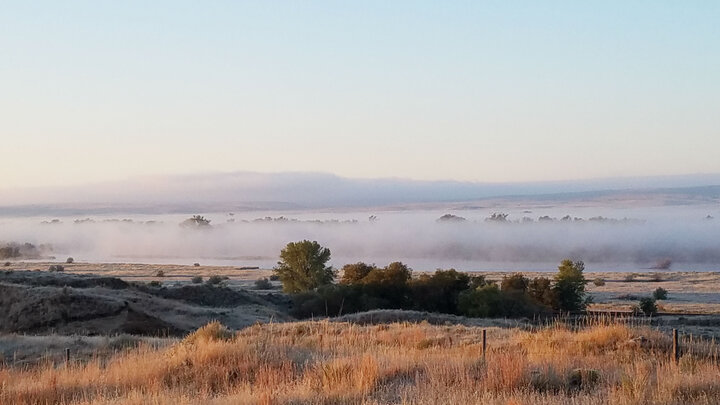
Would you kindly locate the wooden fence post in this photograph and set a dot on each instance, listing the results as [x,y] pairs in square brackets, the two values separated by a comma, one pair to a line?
[67,357]
[484,343]
[676,346]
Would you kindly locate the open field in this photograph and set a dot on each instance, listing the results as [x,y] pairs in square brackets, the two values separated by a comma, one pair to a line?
[340,363]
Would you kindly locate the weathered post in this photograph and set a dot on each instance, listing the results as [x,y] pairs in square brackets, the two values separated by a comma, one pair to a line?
[484,343]
[676,346]
[67,357]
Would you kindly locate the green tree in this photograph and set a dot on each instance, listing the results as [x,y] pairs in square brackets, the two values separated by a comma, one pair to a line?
[540,289]
[482,302]
[647,306]
[387,287]
[303,266]
[516,283]
[660,294]
[354,273]
[569,286]
[439,292]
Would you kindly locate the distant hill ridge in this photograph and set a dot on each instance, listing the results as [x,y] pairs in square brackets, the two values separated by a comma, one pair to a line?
[247,191]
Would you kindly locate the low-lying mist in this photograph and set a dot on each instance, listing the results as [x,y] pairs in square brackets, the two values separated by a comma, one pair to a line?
[687,238]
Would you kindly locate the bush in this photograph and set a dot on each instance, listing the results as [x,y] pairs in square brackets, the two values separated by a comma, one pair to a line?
[160,273]
[212,332]
[197,280]
[196,264]
[599,282]
[69,260]
[660,294]
[214,280]
[56,268]
[263,284]
[647,306]
[302,266]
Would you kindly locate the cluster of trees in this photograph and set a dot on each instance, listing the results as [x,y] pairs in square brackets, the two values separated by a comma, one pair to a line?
[501,217]
[25,251]
[304,273]
[196,221]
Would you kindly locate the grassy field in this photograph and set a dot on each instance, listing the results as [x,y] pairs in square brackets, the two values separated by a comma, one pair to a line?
[340,363]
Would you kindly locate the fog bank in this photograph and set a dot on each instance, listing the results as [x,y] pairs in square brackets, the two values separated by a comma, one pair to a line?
[682,234]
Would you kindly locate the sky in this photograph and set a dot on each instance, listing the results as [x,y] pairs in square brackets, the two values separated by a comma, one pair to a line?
[486,91]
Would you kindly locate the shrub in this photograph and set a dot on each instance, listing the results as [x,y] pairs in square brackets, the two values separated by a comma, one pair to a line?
[629,277]
[660,294]
[599,282]
[197,280]
[214,280]
[196,264]
[263,284]
[214,331]
[302,266]
[56,268]
[160,273]
[647,306]
[69,260]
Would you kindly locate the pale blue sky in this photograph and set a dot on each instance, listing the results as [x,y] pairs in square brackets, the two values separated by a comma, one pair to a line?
[482,91]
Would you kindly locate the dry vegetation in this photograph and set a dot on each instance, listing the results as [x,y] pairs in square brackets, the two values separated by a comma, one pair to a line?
[331,363]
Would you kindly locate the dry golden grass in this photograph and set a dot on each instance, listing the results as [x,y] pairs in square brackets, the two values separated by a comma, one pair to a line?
[338,363]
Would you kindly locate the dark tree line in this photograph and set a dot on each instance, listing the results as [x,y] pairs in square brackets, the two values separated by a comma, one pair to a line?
[304,273]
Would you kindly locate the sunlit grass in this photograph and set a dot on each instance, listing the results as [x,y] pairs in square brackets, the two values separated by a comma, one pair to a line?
[337,363]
